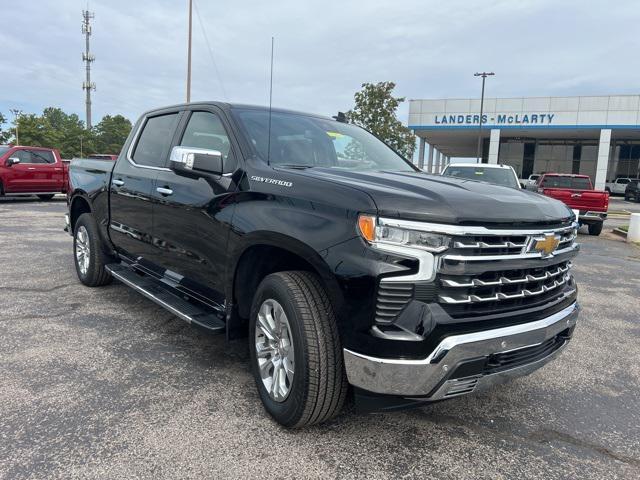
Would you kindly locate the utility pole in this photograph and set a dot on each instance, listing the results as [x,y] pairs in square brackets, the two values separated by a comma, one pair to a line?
[484,75]
[16,117]
[87,58]
[189,52]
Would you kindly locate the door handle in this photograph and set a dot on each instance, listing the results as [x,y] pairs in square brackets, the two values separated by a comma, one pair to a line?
[117,183]
[31,168]
[164,191]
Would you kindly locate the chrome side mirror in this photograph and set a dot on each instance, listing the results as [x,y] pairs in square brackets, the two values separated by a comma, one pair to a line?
[13,161]
[193,160]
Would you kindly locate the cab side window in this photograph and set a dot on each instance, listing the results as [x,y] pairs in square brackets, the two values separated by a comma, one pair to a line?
[42,156]
[23,155]
[154,140]
[205,130]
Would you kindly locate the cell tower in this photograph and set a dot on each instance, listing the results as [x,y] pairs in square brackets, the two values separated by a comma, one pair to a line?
[87,58]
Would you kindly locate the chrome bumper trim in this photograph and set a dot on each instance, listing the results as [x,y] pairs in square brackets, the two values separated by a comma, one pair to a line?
[420,377]
[594,216]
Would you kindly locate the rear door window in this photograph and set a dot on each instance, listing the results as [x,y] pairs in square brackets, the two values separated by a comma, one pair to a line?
[152,147]
[42,156]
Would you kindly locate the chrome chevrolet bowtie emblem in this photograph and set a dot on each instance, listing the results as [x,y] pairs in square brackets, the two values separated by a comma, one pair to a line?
[546,245]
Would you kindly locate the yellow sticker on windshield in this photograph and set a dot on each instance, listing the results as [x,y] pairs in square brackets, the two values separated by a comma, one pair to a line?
[335,134]
[479,173]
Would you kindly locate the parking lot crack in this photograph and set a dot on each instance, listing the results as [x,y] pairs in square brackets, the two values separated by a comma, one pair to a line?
[548,435]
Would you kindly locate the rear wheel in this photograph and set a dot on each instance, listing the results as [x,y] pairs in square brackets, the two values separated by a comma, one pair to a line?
[89,256]
[46,197]
[595,228]
[296,354]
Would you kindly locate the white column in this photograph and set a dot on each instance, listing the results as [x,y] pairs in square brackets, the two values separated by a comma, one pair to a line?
[438,160]
[603,158]
[430,162]
[494,145]
[421,153]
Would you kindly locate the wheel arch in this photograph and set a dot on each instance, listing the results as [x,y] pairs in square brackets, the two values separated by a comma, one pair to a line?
[266,253]
[78,205]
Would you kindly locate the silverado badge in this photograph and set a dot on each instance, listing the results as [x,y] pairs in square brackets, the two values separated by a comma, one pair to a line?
[545,245]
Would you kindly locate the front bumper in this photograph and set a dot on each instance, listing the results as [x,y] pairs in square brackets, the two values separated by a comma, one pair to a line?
[464,363]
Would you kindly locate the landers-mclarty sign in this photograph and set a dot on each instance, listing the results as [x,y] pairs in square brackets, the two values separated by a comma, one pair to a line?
[497,119]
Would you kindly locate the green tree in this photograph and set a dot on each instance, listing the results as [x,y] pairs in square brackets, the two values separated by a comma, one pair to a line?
[66,132]
[111,133]
[375,109]
[5,132]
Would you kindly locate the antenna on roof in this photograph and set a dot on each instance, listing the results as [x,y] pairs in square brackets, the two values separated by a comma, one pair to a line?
[270,101]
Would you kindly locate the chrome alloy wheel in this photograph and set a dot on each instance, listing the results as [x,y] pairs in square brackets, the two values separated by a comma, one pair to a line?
[274,350]
[83,251]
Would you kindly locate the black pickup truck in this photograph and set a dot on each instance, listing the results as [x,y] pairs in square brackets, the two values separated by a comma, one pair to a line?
[350,271]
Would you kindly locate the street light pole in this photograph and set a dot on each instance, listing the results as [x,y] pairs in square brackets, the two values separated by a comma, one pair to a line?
[16,117]
[189,53]
[484,75]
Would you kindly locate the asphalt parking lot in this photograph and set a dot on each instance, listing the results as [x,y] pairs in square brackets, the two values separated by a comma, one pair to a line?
[102,383]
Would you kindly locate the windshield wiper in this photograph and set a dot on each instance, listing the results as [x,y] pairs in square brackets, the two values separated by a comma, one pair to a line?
[294,165]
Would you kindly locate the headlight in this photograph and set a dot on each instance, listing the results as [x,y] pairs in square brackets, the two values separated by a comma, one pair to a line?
[374,233]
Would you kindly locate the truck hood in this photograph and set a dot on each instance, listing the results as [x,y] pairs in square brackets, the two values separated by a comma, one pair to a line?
[434,198]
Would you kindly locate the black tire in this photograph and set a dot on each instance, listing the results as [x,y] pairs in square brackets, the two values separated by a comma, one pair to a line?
[95,275]
[46,197]
[627,197]
[608,190]
[595,228]
[319,386]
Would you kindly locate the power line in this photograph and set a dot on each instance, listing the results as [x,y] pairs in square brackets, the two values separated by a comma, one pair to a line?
[213,60]
[87,58]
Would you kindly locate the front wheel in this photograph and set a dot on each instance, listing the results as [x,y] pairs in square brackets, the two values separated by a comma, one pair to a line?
[88,253]
[296,355]
[595,228]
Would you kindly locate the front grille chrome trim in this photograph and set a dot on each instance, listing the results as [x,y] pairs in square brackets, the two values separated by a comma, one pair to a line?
[458,230]
[516,256]
[503,296]
[505,280]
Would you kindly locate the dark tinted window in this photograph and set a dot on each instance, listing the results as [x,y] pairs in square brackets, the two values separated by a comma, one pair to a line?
[23,155]
[205,130]
[575,183]
[42,156]
[306,141]
[153,143]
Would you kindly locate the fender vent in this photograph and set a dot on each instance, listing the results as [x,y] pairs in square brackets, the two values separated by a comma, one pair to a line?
[392,298]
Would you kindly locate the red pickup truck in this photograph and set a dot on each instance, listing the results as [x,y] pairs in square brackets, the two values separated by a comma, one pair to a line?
[32,171]
[577,192]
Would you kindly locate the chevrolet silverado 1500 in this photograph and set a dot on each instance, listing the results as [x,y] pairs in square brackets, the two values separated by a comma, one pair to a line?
[32,171]
[577,192]
[342,263]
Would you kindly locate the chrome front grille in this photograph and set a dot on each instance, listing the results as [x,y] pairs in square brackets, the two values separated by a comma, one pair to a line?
[502,285]
[486,272]
[513,244]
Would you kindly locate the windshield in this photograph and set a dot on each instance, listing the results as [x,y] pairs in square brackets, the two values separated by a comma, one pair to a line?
[302,141]
[4,150]
[497,176]
[575,183]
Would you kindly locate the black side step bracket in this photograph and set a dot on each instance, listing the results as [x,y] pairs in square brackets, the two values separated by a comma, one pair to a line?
[156,291]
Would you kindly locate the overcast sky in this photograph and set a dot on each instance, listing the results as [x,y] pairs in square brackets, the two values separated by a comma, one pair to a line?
[324,51]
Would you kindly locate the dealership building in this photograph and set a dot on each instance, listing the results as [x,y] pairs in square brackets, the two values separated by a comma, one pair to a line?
[596,136]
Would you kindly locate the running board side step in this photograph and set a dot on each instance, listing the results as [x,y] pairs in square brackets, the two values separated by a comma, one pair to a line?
[155,291]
